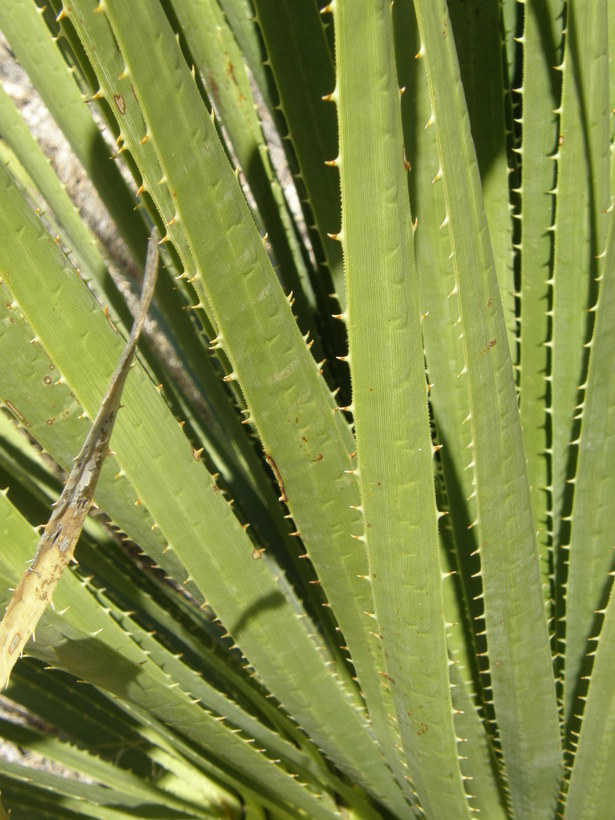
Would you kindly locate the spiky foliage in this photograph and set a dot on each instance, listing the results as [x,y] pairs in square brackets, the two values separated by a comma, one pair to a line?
[353,542]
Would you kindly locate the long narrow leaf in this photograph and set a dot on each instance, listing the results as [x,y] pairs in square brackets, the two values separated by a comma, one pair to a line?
[516,630]
[389,403]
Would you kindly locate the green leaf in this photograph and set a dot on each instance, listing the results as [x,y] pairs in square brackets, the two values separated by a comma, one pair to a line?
[591,790]
[254,600]
[517,640]
[88,641]
[583,200]
[25,29]
[390,406]
[541,38]
[592,525]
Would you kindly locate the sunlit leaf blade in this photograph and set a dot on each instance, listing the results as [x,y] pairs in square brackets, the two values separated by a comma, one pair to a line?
[541,39]
[512,595]
[253,598]
[592,539]
[580,239]
[591,790]
[389,405]
[336,565]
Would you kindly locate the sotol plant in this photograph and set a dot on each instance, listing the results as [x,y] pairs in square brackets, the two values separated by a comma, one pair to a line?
[352,551]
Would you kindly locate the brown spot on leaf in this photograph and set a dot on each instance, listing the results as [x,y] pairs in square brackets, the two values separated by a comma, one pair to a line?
[211,81]
[120,103]
[491,343]
[230,70]
[47,379]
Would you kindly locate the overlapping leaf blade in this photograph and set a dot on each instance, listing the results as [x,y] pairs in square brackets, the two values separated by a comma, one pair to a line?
[512,594]
[421,302]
